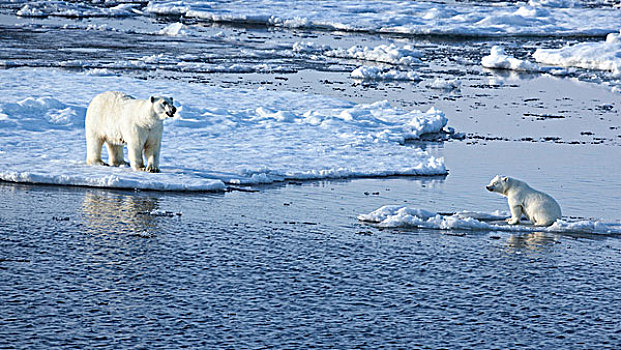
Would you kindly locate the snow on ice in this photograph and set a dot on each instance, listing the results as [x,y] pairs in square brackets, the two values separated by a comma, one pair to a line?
[545,18]
[220,136]
[382,73]
[590,55]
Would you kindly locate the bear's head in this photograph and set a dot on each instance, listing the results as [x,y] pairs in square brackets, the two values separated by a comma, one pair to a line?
[499,184]
[163,107]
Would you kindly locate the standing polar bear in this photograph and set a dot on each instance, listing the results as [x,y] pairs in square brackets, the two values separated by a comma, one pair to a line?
[116,119]
[540,208]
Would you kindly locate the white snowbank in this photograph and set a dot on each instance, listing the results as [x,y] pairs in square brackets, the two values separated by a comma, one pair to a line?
[382,73]
[400,216]
[599,55]
[219,136]
[542,17]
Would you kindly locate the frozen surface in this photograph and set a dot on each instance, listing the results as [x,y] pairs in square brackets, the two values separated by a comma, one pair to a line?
[498,59]
[75,9]
[598,55]
[219,135]
[391,53]
[444,84]
[382,73]
[541,18]
[403,216]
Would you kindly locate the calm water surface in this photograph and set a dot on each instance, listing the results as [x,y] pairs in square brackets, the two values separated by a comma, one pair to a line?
[82,268]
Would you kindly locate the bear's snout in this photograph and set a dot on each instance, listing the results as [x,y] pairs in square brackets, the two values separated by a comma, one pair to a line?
[489,188]
[172,113]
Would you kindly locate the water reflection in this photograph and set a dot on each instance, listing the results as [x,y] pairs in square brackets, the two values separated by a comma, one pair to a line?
[108,213]
[530,242]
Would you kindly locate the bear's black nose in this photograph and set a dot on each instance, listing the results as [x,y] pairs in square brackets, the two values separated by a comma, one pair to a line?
[489,188]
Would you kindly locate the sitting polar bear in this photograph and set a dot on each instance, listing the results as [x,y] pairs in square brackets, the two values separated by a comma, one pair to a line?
[115,119]
[540,208]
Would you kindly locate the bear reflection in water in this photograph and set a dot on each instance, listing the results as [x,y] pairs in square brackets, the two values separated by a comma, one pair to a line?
[110,213]
[530,242]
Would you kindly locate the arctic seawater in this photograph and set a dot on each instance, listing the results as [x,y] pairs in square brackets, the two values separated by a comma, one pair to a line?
[86,268]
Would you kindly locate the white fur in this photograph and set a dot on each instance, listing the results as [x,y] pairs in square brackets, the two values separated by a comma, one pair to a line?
[540,208]
[115,119]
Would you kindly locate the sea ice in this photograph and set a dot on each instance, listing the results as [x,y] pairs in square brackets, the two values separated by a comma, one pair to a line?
[218,136]
[175,29]
[539,17]
[444,84]
[498,59]
[382,73]
[590,55]
[393,216]
[75,9]
[392,54]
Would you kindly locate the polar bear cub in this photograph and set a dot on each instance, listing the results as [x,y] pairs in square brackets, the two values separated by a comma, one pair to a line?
[540,208]
[116,119]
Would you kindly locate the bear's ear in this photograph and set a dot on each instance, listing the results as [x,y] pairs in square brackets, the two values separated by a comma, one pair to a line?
[505,179]
[171,100]
[152,99]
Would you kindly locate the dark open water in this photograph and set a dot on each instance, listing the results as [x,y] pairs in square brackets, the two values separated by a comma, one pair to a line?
[86,268]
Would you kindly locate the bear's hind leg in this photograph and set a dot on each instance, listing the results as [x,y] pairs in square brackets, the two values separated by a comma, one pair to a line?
[93,151]
[115,155]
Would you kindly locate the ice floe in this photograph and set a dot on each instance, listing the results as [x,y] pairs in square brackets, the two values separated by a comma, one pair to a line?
[444,84]
[590,55]
[498,59]
[392,54]
[539,17]
[175,29]
[397,216]
[382,73]
[75,9]
[220,136]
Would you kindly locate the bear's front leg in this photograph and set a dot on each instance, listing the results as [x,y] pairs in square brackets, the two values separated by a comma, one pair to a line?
[134,153]
[152,153]
[516,214]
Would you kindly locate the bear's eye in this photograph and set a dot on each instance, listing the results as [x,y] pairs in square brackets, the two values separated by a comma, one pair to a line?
[165,103]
